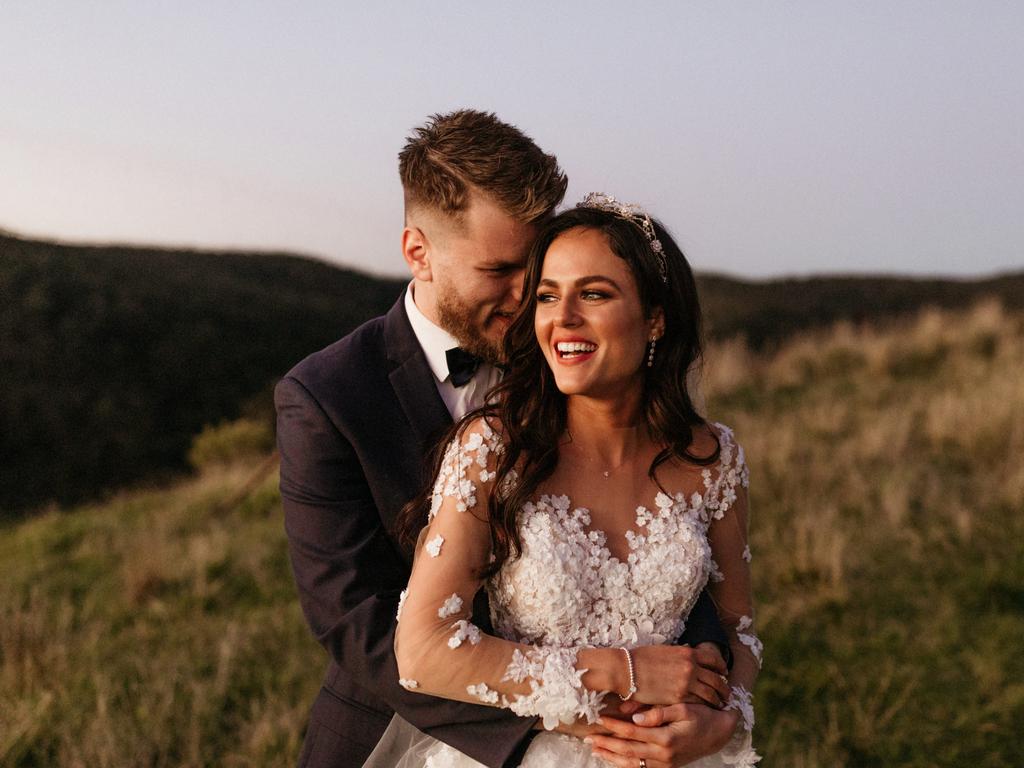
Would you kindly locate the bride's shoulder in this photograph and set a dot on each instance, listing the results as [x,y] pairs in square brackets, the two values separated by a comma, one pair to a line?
[481,436]
[732,462]
[722,432]
[486,426]
[707,437]
[712,435]
[469,463]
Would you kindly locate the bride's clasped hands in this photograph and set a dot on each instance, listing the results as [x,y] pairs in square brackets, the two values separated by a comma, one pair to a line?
[665,737]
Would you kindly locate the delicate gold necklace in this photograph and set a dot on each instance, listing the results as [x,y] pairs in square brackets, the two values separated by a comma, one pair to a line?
[606,473]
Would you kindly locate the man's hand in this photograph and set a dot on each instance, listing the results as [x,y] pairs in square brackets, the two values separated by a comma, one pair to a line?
[667,674]
[714,653]
[665,737]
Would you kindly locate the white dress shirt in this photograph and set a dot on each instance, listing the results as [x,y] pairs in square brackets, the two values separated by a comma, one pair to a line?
[435,341]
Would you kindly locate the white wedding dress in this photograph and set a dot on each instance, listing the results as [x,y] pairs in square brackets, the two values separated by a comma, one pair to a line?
[566,591]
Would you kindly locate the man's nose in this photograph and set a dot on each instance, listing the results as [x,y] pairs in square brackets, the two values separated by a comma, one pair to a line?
[516,287]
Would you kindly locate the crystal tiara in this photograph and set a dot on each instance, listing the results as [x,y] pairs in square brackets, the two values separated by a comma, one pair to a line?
[634,213]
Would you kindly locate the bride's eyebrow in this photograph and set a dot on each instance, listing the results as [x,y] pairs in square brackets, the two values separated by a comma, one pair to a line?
[581,281]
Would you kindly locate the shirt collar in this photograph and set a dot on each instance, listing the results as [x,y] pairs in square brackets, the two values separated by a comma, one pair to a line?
[434,340]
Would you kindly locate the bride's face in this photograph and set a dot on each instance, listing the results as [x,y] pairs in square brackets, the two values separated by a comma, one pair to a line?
[589,320]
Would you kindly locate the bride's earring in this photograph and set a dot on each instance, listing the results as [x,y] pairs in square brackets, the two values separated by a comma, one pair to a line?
[650,353]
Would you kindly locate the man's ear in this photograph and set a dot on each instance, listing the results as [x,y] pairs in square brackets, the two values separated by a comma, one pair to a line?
[657,323]
[416,252]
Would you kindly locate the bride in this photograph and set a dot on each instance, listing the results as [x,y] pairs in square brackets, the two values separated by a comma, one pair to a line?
[593,504]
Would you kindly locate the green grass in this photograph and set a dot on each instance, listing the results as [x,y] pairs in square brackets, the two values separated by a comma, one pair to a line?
[154,630]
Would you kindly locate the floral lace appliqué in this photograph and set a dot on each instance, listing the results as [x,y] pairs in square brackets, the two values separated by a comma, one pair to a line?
[557,693]
[452,480]
[568,590]
[482,692]
[450,607]
[434,545]
[749,639]
[464,630]
[740,751]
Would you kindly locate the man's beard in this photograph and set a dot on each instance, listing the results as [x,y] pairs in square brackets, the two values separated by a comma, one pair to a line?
[456,318]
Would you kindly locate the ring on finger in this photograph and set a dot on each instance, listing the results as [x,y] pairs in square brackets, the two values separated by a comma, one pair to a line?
[643,763]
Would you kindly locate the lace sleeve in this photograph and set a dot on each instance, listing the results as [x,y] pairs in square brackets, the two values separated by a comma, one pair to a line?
[730,589]
[439,650]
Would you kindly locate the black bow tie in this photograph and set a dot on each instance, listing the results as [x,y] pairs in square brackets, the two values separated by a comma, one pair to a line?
[461,365]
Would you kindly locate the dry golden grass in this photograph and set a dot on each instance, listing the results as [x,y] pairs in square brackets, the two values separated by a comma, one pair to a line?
[887,418]
[888,493]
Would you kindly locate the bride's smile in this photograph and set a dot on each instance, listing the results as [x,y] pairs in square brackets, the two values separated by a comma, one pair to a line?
[589,320]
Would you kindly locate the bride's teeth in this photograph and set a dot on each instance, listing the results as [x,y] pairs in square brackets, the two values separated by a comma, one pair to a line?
[569,347]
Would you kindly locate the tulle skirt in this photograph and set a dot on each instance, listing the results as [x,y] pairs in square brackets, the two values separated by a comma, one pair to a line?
[403,746]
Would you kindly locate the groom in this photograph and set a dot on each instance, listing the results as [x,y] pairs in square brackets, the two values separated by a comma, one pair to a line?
[356,421]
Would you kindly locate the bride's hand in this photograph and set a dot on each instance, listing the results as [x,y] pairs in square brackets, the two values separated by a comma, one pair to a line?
[612,709]
[668,674]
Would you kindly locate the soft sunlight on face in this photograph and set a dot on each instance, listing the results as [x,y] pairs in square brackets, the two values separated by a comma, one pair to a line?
[478,276]
[589,321]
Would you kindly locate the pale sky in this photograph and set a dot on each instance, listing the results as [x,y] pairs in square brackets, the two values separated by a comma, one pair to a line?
[772,138]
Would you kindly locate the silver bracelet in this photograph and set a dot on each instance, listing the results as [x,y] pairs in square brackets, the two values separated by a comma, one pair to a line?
[632,675]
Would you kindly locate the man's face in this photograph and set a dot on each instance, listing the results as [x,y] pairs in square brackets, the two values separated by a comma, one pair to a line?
[477,274]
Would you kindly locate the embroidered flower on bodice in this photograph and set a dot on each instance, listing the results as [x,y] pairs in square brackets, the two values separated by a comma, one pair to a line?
[568,589]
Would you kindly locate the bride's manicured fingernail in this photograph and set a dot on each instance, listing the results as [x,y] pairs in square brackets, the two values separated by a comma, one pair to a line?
[588,740]
[639,718]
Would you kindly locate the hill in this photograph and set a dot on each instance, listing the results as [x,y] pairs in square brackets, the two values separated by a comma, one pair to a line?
[769,312]
[113,357]
[162,628]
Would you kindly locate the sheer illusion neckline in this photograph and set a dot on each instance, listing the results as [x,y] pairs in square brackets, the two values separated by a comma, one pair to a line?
[666,504]
[577,521]
[709,480]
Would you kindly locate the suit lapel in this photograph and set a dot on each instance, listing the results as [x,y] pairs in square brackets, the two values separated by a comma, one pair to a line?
[411,378]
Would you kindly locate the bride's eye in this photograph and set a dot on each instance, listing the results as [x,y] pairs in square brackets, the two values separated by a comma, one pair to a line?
[545,298]
[592,295]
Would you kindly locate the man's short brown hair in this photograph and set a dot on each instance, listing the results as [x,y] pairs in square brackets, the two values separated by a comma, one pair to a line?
[453,152]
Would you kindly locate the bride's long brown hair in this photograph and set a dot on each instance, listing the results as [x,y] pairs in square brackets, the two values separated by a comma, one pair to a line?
[530,411]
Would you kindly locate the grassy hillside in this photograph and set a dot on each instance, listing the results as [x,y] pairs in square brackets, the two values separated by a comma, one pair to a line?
[888,531]
[161,628]
[156,629]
